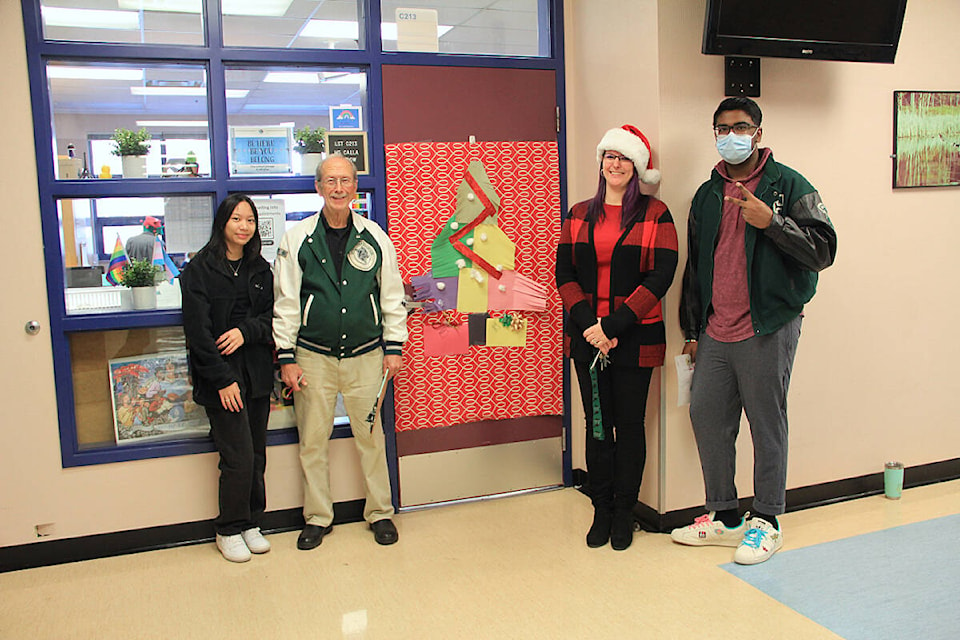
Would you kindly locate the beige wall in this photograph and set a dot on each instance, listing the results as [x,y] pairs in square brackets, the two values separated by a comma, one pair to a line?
[873,378]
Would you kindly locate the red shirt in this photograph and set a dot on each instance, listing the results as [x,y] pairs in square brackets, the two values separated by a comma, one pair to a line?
[730,320]
[606,234]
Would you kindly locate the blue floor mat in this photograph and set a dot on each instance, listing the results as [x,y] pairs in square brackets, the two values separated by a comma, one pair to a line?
[897,584]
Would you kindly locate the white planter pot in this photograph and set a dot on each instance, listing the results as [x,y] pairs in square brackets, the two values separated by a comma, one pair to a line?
[144,297]
[309,162]
[134,166]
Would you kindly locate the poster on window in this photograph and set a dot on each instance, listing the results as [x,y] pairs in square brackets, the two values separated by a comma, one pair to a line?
[261,150]
[153,399]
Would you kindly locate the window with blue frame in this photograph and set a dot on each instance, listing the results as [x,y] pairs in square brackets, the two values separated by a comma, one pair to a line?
[148,112]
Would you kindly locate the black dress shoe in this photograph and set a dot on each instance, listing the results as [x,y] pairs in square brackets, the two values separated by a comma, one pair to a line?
[384,532]
[600,529]
[312,536]
[621,531]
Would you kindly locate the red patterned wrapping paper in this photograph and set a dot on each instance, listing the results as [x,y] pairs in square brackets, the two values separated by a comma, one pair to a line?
[488,383]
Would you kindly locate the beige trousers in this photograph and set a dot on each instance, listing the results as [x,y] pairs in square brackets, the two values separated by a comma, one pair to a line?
[358,379]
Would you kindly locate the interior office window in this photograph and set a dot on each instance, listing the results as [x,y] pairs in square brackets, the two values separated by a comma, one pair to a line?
[98,232]
[90,102]
[292,115]
[502,27]
[286,24]
[168,22]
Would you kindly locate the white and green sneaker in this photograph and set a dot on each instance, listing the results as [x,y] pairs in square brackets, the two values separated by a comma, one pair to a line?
[706,531]
[760,542]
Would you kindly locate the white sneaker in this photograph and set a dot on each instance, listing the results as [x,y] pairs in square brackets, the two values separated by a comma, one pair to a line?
[707,531]
[760,542]
[255,541]
[233,548]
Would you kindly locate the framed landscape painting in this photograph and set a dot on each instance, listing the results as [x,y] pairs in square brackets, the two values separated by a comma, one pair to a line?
[926,151]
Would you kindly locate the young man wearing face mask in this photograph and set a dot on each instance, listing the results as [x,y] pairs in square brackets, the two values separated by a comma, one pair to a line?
[757,235]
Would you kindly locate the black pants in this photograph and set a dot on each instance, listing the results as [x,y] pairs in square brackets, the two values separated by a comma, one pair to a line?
[615,464]
[241,439]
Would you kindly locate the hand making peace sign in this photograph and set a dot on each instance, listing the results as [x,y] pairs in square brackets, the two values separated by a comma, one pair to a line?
[755,211]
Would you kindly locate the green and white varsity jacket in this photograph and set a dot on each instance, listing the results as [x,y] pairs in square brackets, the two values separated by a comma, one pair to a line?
[342,317]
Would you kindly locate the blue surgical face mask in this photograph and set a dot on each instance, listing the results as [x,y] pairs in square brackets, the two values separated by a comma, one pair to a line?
[735,148]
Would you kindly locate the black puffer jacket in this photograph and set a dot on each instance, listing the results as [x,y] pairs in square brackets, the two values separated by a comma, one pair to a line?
[207,288]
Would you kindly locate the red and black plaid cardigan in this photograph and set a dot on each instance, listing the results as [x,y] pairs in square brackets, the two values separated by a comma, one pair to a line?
[641,270]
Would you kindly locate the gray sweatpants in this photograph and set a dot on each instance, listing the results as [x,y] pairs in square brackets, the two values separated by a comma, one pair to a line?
[751,376]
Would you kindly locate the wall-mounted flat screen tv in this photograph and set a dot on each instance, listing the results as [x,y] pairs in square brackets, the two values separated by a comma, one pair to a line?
[851,30]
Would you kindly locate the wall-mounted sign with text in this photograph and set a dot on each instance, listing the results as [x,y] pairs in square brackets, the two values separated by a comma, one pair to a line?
[346,118]
[261,149]
[352,146]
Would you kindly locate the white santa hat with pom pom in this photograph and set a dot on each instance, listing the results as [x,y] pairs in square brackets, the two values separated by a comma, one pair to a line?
[631,142]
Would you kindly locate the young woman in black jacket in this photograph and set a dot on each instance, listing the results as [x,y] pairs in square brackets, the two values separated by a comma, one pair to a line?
[227,294]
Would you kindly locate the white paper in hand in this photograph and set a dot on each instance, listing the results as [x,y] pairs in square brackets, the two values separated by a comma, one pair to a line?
[684,378]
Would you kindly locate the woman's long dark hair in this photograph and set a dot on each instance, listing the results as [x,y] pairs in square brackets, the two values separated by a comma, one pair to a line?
[216,246]
[634,203]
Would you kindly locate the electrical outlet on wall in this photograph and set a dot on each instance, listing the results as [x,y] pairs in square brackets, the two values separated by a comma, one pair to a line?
[45,530]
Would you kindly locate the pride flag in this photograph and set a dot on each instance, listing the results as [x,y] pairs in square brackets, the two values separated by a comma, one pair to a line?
[118,260]
[162,259]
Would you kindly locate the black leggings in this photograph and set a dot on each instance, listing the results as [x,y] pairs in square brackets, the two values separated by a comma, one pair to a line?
[615,464]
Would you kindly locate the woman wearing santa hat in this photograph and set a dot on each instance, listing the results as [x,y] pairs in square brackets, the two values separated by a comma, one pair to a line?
[615,261]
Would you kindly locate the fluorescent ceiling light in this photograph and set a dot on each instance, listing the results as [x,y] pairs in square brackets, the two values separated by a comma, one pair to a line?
[344,30]
[172,123]
[268,8]
[343,78]
[89,18]
[173,6]
[93,73]
[183,91]
[274,8]
[293,77]
[332,29]
[388,30]
[168,91]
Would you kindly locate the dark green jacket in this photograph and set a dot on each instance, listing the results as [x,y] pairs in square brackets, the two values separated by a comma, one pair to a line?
[782,260]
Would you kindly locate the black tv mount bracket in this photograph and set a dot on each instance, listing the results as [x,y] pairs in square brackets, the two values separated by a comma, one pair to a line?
[741,76]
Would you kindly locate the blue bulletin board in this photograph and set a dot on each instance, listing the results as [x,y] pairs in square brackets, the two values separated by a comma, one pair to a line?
[261,150]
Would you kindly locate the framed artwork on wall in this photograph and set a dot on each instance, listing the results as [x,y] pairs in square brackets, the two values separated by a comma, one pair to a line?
[926,146]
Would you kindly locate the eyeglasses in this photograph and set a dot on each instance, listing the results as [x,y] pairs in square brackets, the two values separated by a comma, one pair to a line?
[334,182]
[740,128]
[612,157]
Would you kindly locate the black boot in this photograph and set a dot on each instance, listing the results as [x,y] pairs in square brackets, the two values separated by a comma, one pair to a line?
[600,529]
[621,530]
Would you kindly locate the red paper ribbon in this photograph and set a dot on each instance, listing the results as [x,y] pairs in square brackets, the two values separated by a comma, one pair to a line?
[488,210]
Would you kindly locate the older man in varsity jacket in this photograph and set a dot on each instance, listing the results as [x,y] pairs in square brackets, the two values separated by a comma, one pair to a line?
[339,326]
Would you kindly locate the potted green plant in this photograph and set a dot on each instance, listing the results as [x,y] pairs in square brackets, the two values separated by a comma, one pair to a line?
[310,144]
[132,147]
[141,276]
